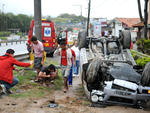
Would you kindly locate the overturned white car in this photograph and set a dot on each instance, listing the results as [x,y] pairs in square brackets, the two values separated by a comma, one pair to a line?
[109,72]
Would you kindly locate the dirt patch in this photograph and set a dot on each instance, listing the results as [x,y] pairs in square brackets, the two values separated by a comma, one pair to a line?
[74,101]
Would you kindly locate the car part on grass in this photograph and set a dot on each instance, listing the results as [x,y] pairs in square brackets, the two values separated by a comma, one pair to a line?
[52,105]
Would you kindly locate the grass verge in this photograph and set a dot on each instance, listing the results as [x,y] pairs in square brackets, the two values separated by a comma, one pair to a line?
[28,88]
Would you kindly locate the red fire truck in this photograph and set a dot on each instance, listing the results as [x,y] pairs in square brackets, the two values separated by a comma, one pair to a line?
[48,35]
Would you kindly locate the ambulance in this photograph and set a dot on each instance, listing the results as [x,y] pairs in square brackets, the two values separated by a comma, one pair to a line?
[48,35]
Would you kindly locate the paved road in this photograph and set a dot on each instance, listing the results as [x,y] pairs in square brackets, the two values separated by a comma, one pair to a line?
[19,48]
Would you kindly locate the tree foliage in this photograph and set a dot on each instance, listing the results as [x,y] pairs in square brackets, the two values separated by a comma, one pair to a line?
[143,45]
[11,21]
[22,22]
[69,18]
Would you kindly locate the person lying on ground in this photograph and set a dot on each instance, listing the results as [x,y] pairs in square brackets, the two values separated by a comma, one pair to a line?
[7,62]
[47,73]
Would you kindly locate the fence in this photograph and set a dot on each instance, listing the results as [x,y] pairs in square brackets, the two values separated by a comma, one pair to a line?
[11,42]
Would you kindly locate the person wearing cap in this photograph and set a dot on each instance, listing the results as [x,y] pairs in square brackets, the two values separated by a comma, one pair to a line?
[7,62]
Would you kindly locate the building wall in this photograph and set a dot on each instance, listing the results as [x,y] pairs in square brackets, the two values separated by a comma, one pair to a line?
[116,28]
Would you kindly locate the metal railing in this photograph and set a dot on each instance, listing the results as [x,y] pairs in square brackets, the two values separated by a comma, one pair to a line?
[22,57]
[11,42]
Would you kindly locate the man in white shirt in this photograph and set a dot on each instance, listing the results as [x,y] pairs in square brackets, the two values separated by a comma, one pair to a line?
[77,53]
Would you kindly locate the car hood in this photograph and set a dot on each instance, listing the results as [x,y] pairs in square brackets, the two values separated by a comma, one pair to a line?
[124,71]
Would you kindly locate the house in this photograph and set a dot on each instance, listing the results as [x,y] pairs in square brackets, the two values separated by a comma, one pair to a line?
[118,24]
[140,31]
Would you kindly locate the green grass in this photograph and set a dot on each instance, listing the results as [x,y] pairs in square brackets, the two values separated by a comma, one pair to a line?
[31,89]
[31,93]
[139,59]
[3,38]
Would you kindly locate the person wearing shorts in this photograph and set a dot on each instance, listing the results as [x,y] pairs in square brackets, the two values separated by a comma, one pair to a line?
[66,60]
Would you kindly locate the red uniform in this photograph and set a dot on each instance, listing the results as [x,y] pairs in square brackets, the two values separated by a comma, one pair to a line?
[6,67]
[64,57]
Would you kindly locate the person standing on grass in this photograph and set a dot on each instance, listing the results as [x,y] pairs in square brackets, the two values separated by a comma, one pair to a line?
[66,61]
[7,62]
[75,68]
[38,49]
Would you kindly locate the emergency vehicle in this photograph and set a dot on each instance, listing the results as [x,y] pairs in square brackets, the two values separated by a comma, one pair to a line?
[48,35]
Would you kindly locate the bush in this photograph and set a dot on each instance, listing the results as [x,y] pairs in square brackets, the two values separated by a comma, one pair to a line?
[139,59]
[20,34]
[144,46]
[142,61]
[3,38]
[4,34]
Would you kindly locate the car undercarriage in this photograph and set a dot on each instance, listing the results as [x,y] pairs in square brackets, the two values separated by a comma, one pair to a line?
[109,72]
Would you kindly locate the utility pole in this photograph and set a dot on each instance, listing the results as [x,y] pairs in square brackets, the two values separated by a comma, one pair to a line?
[88,19]
[140,11]
[81,10]
[149,12]
[37,19]
[145,18]
[3,14]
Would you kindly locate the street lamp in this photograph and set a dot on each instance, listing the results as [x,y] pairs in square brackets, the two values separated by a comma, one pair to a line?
[80,13]
[80,9]
[3,8]
[3,17]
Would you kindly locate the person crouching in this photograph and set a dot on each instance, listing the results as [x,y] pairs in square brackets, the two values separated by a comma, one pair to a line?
[47,74]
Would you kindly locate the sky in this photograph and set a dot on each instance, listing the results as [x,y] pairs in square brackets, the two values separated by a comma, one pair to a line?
[99,8]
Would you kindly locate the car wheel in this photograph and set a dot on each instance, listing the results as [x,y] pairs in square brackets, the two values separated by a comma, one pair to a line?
[93,71]
[84,84]
[126,39]
[82,39]
[146,75]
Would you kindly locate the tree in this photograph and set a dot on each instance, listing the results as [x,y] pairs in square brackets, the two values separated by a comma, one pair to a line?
[145,15]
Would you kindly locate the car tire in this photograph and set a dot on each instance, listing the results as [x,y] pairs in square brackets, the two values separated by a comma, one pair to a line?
[126,39]
[82,39]
[146,75]
[84,83]
[93,71]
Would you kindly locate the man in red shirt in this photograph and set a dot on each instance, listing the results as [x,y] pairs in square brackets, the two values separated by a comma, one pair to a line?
[7,62]
[67,58]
